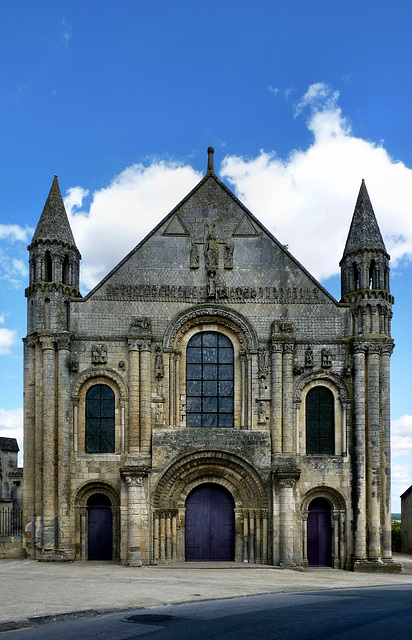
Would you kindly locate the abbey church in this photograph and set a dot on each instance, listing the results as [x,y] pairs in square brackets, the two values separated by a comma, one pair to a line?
[208,400]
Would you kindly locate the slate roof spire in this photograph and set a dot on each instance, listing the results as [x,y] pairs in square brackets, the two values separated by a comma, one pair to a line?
[54,223]
[364,232]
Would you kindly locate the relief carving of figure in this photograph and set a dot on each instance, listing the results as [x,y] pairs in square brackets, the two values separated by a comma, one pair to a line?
[309,357]
[211,285]
[99,354]
[211,249]
[194,256]
[159,366]
[326,358]
[228,255]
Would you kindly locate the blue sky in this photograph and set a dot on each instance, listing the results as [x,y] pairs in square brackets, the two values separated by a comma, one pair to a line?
[301,100]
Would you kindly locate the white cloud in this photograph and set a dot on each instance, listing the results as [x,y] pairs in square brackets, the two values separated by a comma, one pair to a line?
[8,338]
[306,200]
[11,426]
[314,190]
[123,213]
[401,440]
[13,232]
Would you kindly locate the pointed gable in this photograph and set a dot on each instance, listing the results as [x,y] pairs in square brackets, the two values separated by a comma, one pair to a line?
[364,232]
[54,223]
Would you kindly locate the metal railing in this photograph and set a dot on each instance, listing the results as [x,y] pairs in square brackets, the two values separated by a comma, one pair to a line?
[11,522]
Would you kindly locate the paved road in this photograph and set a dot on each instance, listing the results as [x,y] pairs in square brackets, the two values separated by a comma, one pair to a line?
[346,614]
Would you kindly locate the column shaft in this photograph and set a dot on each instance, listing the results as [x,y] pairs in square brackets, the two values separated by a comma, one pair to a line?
[359,480]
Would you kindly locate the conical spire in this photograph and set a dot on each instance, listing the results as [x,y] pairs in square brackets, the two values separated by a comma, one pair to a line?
[54,223]
[364,231]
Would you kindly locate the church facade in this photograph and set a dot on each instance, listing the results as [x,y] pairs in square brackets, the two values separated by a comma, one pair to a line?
[208,399]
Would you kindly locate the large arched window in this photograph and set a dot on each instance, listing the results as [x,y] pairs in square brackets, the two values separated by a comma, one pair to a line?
[99,420]
[320,421]
[209,380]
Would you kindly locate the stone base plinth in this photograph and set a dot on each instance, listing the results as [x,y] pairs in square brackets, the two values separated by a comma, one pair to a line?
[377,566]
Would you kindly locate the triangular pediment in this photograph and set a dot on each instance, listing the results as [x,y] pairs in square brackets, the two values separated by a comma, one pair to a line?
[175,228]
[245,229]
[211,247]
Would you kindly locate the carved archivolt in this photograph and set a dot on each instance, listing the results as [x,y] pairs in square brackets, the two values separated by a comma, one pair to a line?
[334,497]
[213,314]
[219,467]
[99,372]
[91,488]
[319,376]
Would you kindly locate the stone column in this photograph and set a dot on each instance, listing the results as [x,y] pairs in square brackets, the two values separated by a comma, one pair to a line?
[138,528]
[276,393]
[385,452]
[373,454]
[359,476]
[64,544]
[287,431]
[145,397]
[286,485]
[38,447]
[243,391]
[134,398]
[49,445]
[29,444]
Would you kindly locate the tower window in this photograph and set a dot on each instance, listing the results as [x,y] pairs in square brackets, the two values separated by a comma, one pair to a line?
[99,419]
[209,380]
[65,274]
[320,421]
[48,267]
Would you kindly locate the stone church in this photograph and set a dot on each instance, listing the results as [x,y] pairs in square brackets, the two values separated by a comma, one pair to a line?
[208,400]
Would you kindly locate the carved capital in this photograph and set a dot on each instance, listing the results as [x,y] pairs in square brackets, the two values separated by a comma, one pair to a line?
[47,342]
[374,349]
[287,483]
[289,347]
[277,347]
[63,342]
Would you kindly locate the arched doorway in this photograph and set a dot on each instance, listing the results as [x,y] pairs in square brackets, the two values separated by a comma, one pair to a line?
[100,528]
[210,524]
[319,533]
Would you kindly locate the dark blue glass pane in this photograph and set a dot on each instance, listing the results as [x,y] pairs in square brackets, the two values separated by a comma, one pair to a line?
[224,341]
[194,403]
[226,420]
[226,372]
[94,392]
[209,339]
[210,372]
[92,407]
[195,341]
[194,388]
[210,388]
[92,444]
[107,444]
[226,355]
[194,355]
[92,426]
[226,405]
[107,408]
[209,404]
[210,419]
[210,354]
[225,388]
[194,420]
[107,426]
[105,391]
[194,371]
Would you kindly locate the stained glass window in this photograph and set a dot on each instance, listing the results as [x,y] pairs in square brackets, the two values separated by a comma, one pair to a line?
[320,421]
[99,419]
[209,380]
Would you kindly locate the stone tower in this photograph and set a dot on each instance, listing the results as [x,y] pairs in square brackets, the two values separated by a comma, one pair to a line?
[54,281]
[365,288]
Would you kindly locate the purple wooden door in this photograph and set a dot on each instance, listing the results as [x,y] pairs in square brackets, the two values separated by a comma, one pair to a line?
[210,524]
[319,534]
[99,528]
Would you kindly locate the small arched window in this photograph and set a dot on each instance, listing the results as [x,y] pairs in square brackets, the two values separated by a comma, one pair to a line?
[66,270]
[48,267]
[99,420]
[320,421]
[209,380]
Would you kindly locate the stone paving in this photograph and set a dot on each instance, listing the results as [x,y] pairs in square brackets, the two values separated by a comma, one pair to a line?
[33,593]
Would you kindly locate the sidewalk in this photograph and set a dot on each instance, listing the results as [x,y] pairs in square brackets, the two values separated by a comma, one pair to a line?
[29,588]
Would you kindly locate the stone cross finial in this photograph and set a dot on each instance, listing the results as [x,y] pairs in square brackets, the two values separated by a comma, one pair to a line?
[210,153]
